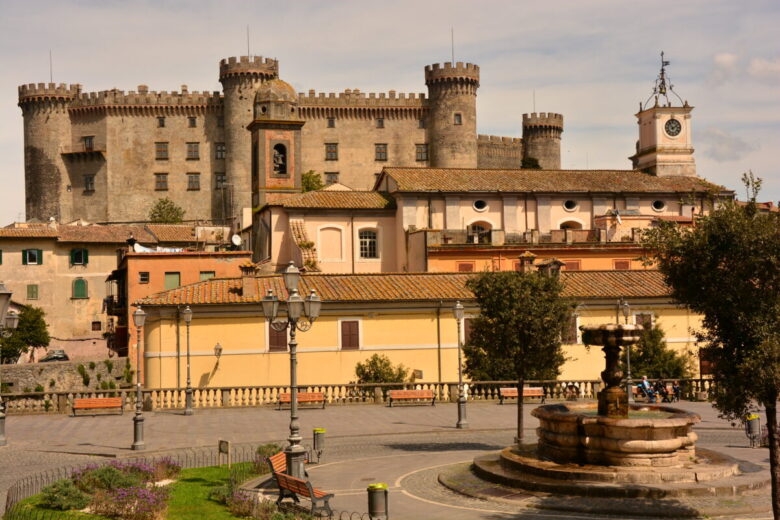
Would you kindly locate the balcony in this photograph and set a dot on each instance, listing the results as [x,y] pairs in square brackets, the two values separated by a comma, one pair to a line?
[498,237]
[83,150]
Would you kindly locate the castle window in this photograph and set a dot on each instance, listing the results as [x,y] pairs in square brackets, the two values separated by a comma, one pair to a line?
[89,143]
[193,182]
[458,118]
[79,289]
[89,183]
[161,182]
[368,243]
[421,152]
[220,180]
[193,121]
[219,150]
[161,151]
[380,152]
[331,151]
[380,122]
[331,122]
[143,277]
[421,123]
[160,122]
[221,122]
[331,177]
[193,151]
[280,159]
[97,326]
[32,292]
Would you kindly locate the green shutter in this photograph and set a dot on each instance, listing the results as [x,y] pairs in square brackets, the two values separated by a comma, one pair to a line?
[40,256]
[79,288]
[24,257]
[1,257]
[72,257]
[86,256]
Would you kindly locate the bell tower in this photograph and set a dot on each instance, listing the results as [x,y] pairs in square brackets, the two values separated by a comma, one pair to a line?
[665,147]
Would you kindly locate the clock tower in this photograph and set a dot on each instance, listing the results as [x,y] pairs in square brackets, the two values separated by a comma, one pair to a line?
[664,147]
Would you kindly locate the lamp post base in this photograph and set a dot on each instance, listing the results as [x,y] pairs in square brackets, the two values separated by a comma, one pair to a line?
[296,456]
[462,422]
[188,401]
[3,441]
[138,433]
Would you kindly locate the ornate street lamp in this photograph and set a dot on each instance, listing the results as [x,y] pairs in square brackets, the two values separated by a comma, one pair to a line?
[139,316]
[187,314]
[458,312]
[301,314]
[8,322]
[625,309]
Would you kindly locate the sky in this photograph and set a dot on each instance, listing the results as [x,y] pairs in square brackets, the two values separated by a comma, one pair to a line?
[591,61]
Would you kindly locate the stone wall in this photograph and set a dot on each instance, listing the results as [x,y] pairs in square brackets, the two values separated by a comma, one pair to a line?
[64,375]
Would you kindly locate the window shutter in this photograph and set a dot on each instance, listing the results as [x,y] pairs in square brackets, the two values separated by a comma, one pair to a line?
[467,331]
[349,335]
[40,256]
[1,257]
[72,257]
[622,265]
[86,256]
[24,257]
[570,334]
[277,341]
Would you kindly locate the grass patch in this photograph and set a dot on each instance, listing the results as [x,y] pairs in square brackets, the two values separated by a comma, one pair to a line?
[34,504]
[190,500]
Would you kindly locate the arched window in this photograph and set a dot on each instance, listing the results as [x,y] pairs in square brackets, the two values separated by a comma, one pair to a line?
[280,159]
[80,288]
[479,233]
[369,248]
[571,224]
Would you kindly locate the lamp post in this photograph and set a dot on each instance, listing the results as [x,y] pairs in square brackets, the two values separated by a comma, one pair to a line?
[187,314]
[139,316]
[457,311]
[8,322]
[300,316]
[625,308]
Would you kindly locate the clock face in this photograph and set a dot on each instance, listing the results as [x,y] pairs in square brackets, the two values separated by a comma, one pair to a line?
[673,127]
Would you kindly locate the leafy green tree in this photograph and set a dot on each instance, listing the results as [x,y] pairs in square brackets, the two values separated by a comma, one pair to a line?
[165,211]
[727,268]
[518,331]
[652,357]
[530,163]
[379,369]
[31,332]
[311,181]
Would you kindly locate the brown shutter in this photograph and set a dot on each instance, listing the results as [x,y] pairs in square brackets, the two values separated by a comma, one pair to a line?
[467,331]
[571,265]
[570,334]
[622,265]
[277,341]
[350,339]
[466,267]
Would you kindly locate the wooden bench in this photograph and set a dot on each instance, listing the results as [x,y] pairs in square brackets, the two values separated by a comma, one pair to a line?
[97,403]
[278,463]
[641,393]
[291,487]
[530,391]
[415,396]
[303,397]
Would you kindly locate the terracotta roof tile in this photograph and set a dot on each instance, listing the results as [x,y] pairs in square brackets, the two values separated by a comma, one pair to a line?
[409,287]
[172,232]
[476,179]
[114,233]
[337,200]
[28,232]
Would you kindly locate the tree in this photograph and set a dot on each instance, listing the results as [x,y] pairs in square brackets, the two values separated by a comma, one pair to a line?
[379,369]
[727,268]
[530,163]
[522,319]
[653,358]
[165,211]
[31,332]
[311,181]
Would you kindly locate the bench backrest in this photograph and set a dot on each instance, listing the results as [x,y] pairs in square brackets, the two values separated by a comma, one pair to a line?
[97,402]
[296,485]
[411,394]
[278,462]
[530,391]
[303,396]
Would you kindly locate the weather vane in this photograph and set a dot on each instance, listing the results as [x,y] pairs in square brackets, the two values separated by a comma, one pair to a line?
[663,85]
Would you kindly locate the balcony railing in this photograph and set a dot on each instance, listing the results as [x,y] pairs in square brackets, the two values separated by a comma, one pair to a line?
[498,237]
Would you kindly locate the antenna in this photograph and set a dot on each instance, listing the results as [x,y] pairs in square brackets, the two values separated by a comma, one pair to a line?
[51,69]
[248,53]
[452,41]
[534,100]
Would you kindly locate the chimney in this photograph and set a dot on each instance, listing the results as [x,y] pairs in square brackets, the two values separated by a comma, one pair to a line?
[248,281]
[526,262]
[550,267]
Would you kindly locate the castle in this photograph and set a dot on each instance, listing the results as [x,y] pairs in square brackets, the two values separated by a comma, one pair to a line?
[108,156]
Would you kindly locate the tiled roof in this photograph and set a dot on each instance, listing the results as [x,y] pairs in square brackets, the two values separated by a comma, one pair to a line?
[337,200]
[102,233]
[172,232]
[486,180]
[409,287]
[301,238]
[114,233]
[28,232]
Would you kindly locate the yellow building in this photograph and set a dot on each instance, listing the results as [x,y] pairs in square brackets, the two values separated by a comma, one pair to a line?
[407,317]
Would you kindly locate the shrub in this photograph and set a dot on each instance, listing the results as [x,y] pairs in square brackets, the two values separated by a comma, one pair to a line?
[144,472]
[39,388]
[52,383]
[131,503]
[263,452]
[104,385]
[64,495]
[240,504]
[379,369]
[109,365]
[99,376]
[46,405]
[165,468]
[26,390]
[111,385]
[220,494]
[92,365]
[94,478]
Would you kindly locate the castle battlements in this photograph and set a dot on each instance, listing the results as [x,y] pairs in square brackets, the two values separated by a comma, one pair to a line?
[356,98]
[447,71]
[497,139]
[47,91]
[266,68]
[143,96]
[543,119]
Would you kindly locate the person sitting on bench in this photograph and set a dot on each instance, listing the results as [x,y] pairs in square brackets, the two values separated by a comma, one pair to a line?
[647,389]
[660,389]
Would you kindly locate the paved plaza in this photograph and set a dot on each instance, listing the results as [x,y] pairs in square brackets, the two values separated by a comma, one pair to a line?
[401,446]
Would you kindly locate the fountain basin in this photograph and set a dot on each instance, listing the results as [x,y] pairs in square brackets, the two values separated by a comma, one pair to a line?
[651,436]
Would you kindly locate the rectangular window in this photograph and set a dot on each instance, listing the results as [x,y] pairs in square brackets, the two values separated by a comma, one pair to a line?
[1,257]
[161,151]
[32,292]
[466,267]
[380,122]
[79,289]
[79,256]
[219,150]
[350,335]
[421,152]
[331,177]
[89,183]
[207,275]
[97,326]
[331,122]
[143,277]
[193,182]
[220,180]
[192,121]
[467,325]
[277,340]
[458,119]
[32,257]
[421,123]
[645,319]
[331,151]
[193,151]
[621,265]
[380,152]
[571,265]
[160,122]
[172,281]
[161,182]
[89,143]
[571,332]
[368,244]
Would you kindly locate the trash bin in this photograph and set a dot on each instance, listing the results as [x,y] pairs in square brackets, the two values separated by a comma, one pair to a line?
[377,501]
[753,429]
[319,442]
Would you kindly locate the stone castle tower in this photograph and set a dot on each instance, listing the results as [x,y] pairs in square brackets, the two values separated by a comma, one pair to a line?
[109,156]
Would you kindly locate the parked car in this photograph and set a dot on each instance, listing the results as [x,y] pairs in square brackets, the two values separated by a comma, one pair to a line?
[54,355]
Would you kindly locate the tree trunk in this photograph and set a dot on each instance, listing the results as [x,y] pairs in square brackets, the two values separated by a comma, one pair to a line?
[520,386]
[774,455]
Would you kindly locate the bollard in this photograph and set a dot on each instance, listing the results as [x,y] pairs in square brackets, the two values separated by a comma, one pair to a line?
[319,442]
[377,502]
[753,429]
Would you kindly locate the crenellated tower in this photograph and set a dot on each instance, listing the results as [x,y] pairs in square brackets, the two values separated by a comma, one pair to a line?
[240,78]
[47,132]
[542,139]
[452,116]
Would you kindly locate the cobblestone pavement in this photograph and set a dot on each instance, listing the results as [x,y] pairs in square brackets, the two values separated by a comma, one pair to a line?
[365,443]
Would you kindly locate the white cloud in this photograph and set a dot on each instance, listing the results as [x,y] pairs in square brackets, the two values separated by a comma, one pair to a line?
[761,68]
[724,146]
[725,66]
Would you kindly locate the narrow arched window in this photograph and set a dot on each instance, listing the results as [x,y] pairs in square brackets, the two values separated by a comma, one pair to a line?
[80,288]
[280,159]
[368,243]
